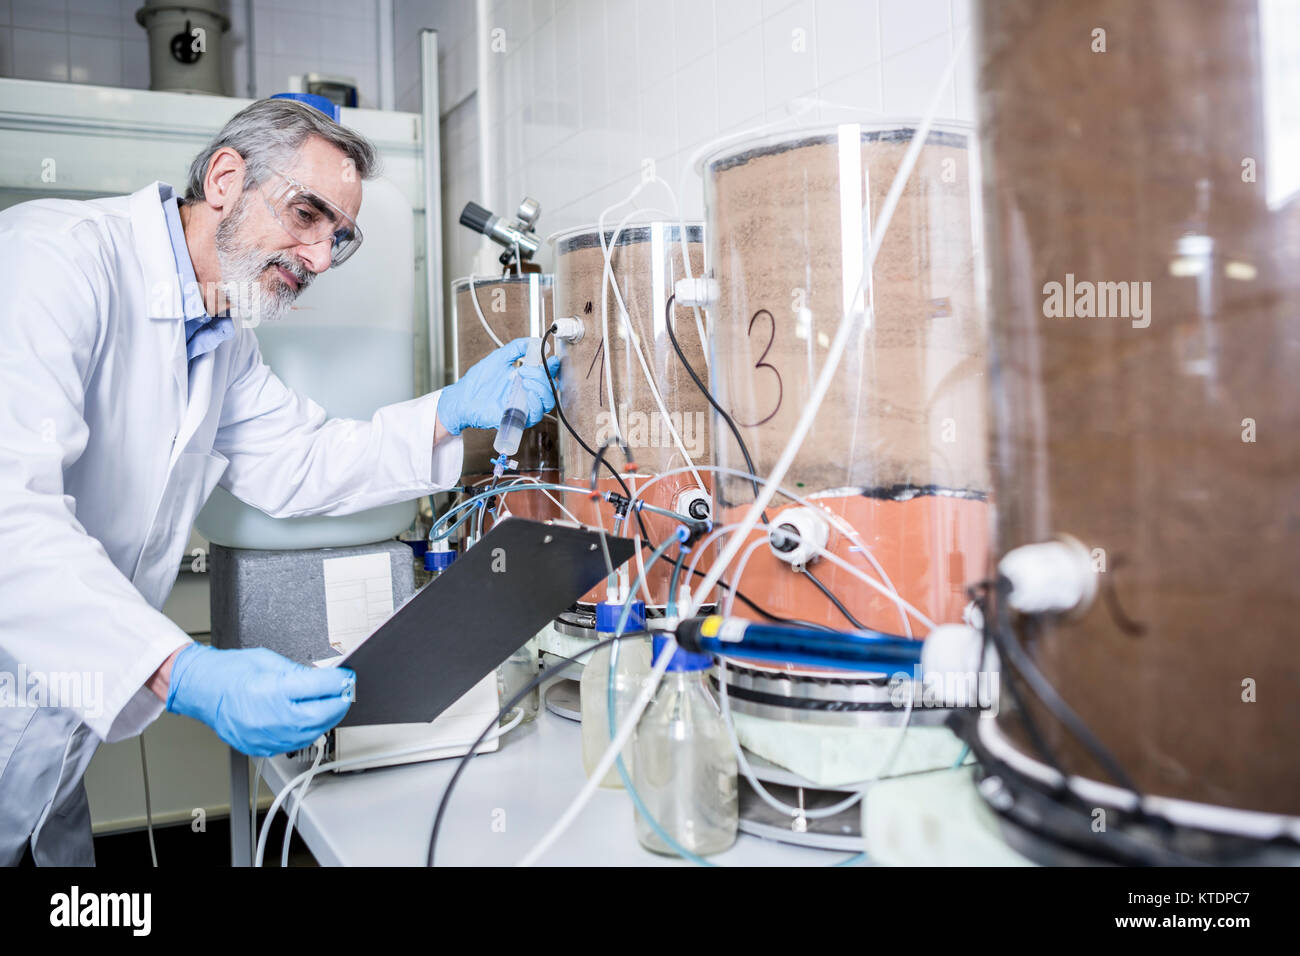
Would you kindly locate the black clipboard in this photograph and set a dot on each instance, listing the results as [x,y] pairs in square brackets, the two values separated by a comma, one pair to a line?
[459,627]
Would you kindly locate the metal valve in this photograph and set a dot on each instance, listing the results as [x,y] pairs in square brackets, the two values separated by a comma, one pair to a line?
[528,212]
[515,236]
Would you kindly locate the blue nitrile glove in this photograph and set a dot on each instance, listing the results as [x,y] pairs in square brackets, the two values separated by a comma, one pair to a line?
[260,703]
[478,400]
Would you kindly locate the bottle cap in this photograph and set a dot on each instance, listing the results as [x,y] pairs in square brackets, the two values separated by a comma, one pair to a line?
[682,660]
[438,560]
[608,613]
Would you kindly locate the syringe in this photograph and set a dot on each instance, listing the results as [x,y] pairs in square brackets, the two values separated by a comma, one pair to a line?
[515,418]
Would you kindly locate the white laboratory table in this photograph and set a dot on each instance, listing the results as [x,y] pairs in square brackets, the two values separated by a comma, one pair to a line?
[504,803]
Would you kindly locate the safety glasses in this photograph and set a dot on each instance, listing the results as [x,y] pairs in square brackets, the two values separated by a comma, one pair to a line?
[311,218]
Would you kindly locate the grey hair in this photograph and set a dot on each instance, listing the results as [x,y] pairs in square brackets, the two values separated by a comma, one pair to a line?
[269,132]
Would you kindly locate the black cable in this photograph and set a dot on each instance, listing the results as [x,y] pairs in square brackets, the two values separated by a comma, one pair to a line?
[704,390]
[496,722]
[600,457]
[839,605]
[1009,647]
[993,634]
[998,630]
[1112,844]
[645,535]
[749,466]
[753,606]
[744,450]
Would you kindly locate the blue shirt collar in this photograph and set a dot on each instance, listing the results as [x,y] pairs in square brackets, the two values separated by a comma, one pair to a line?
[191,295]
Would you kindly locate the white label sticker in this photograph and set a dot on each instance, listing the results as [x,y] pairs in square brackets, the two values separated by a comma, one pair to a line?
[358,598]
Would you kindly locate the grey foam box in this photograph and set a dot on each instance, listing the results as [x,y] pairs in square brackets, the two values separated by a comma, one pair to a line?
[276,599]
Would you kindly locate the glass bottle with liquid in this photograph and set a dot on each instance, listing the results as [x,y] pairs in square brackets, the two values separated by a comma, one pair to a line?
[633,666]
[684,764]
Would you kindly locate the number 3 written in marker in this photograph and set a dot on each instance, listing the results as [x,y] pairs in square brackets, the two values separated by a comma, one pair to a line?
[762,363]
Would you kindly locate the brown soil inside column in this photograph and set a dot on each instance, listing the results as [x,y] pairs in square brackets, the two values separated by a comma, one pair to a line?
[907,404]
[578,270]
[1130,438]
[905,416]
[507,306]
[584,393]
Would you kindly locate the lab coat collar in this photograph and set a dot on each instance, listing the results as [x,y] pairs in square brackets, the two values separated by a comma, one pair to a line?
[163,294]
[162,287]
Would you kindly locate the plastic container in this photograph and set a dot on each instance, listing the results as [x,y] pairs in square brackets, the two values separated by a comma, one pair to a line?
[1155,422]
[633,667]
[685,767]
[898,450]
[513,421]
[513,675]
[348,344]
[185,45]
[646,262]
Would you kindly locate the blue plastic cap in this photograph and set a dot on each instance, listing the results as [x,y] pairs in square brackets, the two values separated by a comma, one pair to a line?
[326,106]
[607,615]
[438,560]
[682,660]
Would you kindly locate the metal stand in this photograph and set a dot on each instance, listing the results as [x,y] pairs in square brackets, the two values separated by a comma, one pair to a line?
[241,828]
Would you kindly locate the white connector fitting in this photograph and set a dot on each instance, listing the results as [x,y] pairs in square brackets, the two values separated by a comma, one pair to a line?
[800,534]
[700,290]
[569,329]
[1054,577]
[694,503]
[618,592]
[950,662]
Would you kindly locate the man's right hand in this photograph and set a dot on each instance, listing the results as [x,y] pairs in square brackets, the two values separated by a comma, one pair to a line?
[478,399]
[257,701]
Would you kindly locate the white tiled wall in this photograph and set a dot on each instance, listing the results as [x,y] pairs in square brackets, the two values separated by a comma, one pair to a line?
[584,91]
[458,107]
[99,42]
[292,37]
[587,89]
[79,41]
[457,62]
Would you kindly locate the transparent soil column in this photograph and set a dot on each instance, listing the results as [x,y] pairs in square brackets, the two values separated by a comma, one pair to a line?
[1143,227]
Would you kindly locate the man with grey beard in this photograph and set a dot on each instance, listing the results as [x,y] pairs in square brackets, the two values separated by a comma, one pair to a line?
[131,384]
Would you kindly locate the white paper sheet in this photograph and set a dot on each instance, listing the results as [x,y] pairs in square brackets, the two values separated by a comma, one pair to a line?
[358,598]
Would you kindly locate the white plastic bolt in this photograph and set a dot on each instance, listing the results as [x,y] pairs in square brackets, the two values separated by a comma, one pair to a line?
[700,290]
[799,536]
[690,498]
[569,328]
[950,660]
[1053,577]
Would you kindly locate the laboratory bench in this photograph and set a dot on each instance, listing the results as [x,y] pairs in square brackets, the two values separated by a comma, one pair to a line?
[503,804]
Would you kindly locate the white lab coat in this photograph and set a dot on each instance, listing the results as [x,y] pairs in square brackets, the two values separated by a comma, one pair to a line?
[110,442]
